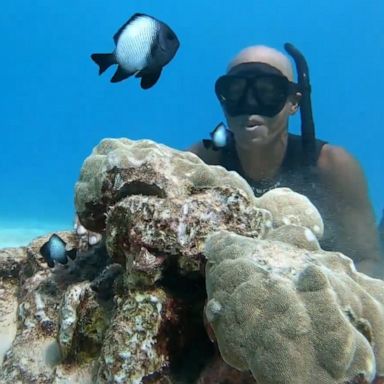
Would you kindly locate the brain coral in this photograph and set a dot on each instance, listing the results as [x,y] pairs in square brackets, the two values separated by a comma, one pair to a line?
[290,315]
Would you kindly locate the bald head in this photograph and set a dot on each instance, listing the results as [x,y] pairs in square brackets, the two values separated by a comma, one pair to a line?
[264,54]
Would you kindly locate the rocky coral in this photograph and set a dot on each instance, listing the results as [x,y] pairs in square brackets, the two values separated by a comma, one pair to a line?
[53,308]
[118,168]
[178,226]
[293,316]
[130,310]
[10,264]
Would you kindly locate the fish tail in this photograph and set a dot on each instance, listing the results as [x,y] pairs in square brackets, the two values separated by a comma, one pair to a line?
[71,253]
[103,60]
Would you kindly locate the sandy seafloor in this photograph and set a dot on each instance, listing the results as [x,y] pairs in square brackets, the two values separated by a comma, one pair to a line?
[18,234]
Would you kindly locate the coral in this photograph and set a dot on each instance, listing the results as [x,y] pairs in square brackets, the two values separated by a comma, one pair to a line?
[129,353]
[130,309]
[290,208]
[10,265]
[177,226]
[118,168]
[293,316]
[130,312]
[82,323]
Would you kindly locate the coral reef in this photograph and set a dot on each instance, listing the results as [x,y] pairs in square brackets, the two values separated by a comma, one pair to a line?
[293,316]
[9,271]
[130,308]
[118,168]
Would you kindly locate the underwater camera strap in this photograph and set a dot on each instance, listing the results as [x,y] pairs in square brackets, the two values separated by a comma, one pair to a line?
[306,115]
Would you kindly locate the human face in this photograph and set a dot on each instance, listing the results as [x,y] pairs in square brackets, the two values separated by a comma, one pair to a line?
[252,129]
[257,100]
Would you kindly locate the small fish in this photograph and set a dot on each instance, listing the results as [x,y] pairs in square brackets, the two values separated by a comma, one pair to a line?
[54,250]
[144,45]
[220,137]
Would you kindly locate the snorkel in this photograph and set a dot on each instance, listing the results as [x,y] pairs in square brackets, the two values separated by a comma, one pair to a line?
[307,124]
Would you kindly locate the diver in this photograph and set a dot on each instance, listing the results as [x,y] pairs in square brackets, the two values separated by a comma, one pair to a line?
[258,95]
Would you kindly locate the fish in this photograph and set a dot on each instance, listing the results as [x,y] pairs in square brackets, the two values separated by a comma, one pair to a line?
[144,45]
[220,137]
[54,250]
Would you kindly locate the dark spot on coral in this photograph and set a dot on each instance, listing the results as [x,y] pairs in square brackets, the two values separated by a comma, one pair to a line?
[89,333]
[183,334]
[27,269]
[10,269]
[48,327]
[155,378]
[103,284]
[139,188]
[121,183]
[50,288]
[219,372]
[361,325]
[93,218]
[359,379]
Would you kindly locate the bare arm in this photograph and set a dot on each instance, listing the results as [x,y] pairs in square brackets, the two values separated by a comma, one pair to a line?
[355,222]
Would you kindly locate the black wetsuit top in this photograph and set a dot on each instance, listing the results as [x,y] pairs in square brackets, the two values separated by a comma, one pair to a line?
[293,174]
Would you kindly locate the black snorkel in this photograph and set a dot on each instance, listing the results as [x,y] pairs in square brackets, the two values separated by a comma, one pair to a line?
[307,124]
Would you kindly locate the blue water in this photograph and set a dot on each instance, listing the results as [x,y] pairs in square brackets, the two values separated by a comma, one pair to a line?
[55,108]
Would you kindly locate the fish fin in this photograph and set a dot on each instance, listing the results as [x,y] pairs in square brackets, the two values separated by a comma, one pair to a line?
[149,79]
[121,29]
[207,143]
[44,251]
[231,137]
[120,74]
[217,127]
[63,260]
[57,237]
[72,253]
[103,60]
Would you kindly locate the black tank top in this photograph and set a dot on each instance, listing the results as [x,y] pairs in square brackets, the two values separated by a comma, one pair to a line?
[294,174]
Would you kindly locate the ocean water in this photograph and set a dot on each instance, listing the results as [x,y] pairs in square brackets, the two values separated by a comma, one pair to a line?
[55,108]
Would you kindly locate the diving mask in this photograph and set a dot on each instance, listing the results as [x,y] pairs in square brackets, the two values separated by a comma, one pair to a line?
[254,89]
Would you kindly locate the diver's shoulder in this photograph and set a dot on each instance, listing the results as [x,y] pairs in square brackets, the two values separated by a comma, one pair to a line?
[208,155]
[335,155]
[337,160]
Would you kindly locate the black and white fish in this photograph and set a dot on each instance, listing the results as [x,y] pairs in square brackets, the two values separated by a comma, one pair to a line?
[220,137]
[54,250]
[144,45]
